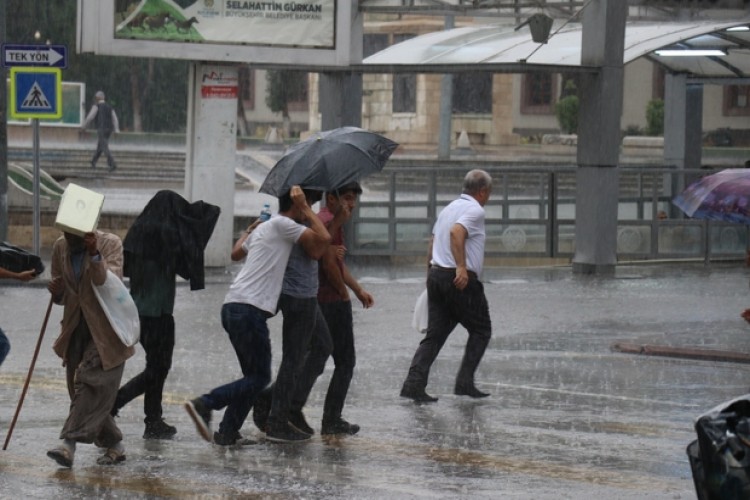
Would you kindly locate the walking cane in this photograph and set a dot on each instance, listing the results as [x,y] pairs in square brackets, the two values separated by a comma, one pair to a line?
[28,377]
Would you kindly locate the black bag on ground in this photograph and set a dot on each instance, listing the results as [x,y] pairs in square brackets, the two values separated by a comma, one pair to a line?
[18,260]
[720,457]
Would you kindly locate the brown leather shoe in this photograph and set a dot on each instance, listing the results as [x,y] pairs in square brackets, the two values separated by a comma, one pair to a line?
[62,455]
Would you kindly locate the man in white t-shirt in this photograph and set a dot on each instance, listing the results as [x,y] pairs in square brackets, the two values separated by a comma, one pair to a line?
[454,293]
[251,300]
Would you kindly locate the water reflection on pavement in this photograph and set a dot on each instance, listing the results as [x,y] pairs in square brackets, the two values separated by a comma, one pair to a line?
[567,418]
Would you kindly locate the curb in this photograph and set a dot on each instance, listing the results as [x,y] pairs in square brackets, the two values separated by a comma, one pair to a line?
[682,352]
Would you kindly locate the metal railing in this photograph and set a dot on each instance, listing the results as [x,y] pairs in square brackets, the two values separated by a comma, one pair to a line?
[531,212]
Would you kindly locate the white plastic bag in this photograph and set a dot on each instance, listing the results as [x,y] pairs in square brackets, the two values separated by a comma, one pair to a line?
[119,308]
[419,320]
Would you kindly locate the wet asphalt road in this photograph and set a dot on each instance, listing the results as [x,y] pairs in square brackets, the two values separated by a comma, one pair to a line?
[567,418]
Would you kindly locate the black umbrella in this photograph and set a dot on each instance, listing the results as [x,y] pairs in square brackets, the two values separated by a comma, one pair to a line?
[328,160]
[18,260]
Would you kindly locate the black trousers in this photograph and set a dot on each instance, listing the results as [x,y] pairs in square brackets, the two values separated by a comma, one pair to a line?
[157,339]
[301,316]
[338,317]
[102,148]
[449,307]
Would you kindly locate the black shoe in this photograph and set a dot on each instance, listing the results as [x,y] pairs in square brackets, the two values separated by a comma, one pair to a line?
[297,420]
[112,167]
[469,390]
[262,408]
[236,439]
[339,426]
[284,433]
[418,395]
[201,416]
[159,429]
[92,164]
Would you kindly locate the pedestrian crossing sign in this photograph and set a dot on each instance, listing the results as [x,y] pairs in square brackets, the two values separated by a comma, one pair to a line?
[35,93]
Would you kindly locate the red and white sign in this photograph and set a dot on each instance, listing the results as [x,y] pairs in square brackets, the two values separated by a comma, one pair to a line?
[217,85]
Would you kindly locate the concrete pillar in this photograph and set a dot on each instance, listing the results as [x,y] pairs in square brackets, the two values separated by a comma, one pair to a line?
[340,100]
[683,129]
[211,150]
[446,106]
[597,178]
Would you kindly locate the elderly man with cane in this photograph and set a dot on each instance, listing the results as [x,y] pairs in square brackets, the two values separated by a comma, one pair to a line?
[92,353]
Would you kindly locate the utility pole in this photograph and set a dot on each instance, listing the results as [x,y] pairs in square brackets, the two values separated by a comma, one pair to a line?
[3,135]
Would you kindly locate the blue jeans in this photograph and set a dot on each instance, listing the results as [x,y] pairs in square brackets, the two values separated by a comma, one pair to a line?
[4,346]
[248,332]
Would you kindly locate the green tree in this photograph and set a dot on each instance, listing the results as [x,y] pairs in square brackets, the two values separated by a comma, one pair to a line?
[148,94]
[655,117]
[566,111]
[566,108]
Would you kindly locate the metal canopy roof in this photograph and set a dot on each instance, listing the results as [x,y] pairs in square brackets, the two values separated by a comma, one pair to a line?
[500,48]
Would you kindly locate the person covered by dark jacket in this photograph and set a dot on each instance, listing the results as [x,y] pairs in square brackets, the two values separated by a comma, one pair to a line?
[167,239]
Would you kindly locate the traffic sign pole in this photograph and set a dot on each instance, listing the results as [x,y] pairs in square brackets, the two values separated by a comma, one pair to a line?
[36,92]
[37,182]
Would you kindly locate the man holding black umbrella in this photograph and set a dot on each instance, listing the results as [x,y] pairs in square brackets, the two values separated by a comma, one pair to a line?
[253,299]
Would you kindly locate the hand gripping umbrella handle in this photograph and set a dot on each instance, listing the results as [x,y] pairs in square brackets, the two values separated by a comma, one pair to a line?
[28,377]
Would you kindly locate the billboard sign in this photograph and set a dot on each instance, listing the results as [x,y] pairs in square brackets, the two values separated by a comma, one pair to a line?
[290,33]
[290,23]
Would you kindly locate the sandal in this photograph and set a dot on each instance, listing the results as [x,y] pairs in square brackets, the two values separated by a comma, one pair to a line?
[62,456]
[111,457]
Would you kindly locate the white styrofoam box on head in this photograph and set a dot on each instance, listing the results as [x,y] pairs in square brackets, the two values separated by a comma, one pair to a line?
[79,210]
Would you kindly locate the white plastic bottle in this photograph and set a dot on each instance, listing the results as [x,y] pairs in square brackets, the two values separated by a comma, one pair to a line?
[265,214]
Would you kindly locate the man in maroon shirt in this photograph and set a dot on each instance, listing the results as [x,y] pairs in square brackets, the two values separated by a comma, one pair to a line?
[333,297]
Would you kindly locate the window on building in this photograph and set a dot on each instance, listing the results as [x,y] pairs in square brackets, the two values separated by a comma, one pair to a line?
[373,43]
[298,91]
[472,93]
[657,84]
[538,94]
[404,85]
[736,100]
[247,87]
[286,90]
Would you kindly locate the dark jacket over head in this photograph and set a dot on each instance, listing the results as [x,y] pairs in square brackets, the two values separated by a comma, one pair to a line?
[172,230]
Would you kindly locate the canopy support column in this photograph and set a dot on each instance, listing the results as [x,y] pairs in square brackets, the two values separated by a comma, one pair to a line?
[597,178]
[683,129]
[211,152]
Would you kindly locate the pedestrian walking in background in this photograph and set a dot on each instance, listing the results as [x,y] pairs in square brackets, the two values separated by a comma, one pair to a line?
[336,306]
[92,353]
[167,239]
[454,293]
[252,299]
[22,276]
[106,123]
